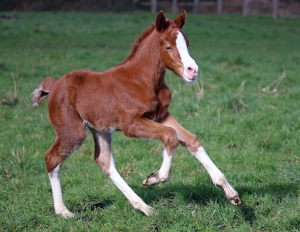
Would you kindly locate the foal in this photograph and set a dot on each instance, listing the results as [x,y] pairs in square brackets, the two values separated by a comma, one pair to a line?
[131,97]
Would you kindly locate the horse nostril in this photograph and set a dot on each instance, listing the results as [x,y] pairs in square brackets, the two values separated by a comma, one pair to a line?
[191,70]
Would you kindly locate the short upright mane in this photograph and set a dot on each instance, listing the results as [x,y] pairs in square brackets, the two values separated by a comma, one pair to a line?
[137,43]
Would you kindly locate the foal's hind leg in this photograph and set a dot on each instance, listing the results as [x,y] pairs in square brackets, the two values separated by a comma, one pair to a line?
[67,141]
[59,206]
[104,159]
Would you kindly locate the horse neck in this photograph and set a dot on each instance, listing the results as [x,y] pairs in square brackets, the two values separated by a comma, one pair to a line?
[146,63]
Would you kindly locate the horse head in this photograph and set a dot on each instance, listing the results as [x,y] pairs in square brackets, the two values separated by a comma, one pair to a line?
[173,47]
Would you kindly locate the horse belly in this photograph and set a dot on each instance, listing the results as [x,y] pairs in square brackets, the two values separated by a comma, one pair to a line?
[95,103]
[100,115]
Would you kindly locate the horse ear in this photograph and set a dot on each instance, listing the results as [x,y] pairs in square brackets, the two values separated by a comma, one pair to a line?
[180,20]
[161,23]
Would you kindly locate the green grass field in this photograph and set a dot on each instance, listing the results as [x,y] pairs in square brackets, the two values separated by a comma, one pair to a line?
[245,109]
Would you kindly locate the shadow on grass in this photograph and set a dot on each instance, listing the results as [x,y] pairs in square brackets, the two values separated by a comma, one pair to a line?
[205,194]
[91,204]
[276,191]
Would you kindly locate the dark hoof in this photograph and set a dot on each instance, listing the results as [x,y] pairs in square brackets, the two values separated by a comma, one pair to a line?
[235,201]
[153,179]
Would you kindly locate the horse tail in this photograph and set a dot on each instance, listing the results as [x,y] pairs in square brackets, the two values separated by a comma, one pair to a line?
[42,92]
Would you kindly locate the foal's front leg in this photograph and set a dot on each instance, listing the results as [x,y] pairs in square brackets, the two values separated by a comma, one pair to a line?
[192,143]
[144,128]
[163,174]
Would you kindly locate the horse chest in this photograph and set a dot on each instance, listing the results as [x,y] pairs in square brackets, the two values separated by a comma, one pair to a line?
[159,106]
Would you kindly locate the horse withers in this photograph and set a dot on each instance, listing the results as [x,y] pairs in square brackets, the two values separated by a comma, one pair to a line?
[131,97]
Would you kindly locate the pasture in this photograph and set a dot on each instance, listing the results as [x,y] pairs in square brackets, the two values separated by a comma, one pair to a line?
[245,108]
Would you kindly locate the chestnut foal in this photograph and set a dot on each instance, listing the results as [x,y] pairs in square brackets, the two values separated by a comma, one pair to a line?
[131,97]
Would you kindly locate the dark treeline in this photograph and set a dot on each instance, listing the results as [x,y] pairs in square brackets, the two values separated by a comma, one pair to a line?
[289,7]
[67,5]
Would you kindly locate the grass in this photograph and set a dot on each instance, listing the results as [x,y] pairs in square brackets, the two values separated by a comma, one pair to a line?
[245,109]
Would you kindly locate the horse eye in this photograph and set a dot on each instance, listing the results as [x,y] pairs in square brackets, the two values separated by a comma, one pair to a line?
[169,48]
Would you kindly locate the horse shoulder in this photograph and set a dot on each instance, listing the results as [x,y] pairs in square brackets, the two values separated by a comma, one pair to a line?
[164,96]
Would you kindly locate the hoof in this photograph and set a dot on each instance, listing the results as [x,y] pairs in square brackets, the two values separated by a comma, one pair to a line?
[148,211]
[153,179]
[235,201]
[65,213]
[143,208]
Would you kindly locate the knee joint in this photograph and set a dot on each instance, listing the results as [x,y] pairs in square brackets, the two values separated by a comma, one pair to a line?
[193,144]
[170,139]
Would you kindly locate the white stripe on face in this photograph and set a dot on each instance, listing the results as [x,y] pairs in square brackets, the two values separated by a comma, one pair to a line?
[190,71]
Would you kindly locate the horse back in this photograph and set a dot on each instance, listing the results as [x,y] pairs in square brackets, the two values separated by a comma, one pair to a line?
[107,100]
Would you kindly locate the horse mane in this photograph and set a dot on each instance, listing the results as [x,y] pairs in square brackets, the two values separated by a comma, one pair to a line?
[139,40]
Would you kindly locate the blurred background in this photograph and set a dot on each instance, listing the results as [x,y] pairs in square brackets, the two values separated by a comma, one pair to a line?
[245,7]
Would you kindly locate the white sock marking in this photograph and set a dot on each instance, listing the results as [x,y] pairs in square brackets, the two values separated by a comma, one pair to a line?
[132,197]
[215,174]
[59,205]
[166,165]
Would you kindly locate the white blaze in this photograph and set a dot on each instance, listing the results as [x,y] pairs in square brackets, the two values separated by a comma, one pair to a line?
[186,59]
